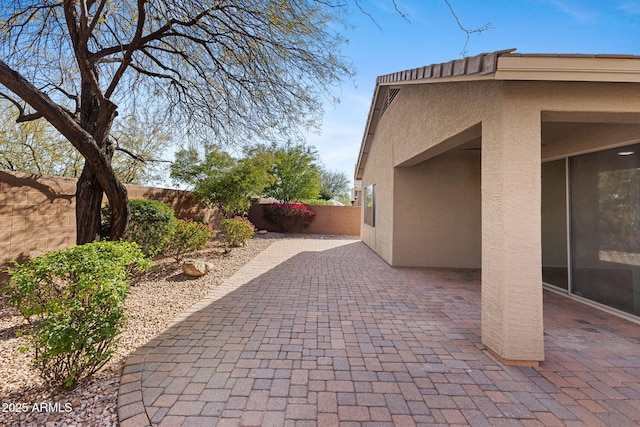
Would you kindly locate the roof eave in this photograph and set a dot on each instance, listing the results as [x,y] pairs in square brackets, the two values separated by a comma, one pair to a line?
[586,68]
[479,67]
[501,65]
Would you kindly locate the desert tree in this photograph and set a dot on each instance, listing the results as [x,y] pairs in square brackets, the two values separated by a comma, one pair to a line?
[221,180]
[333,183]
[141,145]
[35,147]
[241,69]
[296,168]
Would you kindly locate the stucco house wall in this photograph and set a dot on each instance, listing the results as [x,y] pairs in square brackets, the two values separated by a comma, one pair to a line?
[428,209]
[427,120]
[437,215]
[430,119]
[519,110]
[380,173]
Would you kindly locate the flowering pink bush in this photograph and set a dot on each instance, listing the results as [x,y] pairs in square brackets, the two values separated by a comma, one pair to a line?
[288,215]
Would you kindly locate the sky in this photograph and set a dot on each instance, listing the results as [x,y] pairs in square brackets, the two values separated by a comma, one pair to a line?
[430,35]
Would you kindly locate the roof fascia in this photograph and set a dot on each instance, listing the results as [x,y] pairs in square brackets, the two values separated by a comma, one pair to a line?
[375,111]
[569,68]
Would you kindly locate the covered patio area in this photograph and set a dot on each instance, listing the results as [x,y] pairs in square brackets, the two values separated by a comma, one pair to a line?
[323,332]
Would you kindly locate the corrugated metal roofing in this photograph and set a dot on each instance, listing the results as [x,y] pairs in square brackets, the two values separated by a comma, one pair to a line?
[484,63]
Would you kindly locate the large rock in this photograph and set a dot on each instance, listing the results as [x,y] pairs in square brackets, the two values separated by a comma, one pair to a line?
[195,267]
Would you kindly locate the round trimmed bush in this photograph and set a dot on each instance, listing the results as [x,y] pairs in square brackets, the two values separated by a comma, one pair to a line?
[190,236]
[236,231]
[151,225]
[73,300]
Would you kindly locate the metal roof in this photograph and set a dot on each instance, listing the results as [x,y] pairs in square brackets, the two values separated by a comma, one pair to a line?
[484,63]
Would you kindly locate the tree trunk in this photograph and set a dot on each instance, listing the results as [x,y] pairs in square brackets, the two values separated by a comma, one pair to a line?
[89,195]
[97,118]
[120,210]
[88,204]
[90,138]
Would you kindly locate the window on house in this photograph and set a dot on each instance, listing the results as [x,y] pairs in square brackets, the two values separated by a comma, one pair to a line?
[370,205]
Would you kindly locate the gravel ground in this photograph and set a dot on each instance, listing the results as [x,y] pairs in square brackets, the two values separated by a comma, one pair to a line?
[155,300]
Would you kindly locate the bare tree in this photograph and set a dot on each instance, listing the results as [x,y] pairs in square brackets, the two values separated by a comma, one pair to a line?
[333,183]
[240,68]
[35,147]
[141,146]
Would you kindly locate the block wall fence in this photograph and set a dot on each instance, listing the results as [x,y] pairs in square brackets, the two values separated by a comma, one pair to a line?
[336,220]
[37,213]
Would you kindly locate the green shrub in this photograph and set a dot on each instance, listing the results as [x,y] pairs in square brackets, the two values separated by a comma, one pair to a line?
[73,301]
[189,236]
[317,202]
[288,215]
[151,225]
[236,231]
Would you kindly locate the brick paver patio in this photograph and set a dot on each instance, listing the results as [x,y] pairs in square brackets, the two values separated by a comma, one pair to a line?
[322,332]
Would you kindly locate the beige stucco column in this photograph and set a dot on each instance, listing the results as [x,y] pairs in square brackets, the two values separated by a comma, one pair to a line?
[512,323]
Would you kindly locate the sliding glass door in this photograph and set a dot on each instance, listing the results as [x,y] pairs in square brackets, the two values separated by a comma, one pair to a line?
[555,269]
[605,227]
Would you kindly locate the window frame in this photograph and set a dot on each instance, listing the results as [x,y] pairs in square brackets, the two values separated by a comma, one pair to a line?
[369,204]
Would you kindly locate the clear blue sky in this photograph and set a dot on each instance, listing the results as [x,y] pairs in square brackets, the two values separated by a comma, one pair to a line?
[431,35]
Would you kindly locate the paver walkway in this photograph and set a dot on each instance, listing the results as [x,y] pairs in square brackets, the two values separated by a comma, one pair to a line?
[321,332]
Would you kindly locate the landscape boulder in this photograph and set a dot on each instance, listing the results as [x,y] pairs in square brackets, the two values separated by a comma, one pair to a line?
[196,267]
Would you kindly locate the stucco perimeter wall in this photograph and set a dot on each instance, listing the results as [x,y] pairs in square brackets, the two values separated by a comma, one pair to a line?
[37,213]
[182,202]
[329,220]
[438,212]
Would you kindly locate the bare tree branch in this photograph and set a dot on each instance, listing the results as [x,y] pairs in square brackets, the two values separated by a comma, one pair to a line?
[96,16]
[133,45]
[140,157]
[14,102]
[28,117]
[468,32]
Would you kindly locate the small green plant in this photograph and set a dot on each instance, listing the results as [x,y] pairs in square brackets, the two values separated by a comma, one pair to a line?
[73,301]
[288,215]
[236,231]
[317,202]
[151,225]
[189,236]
